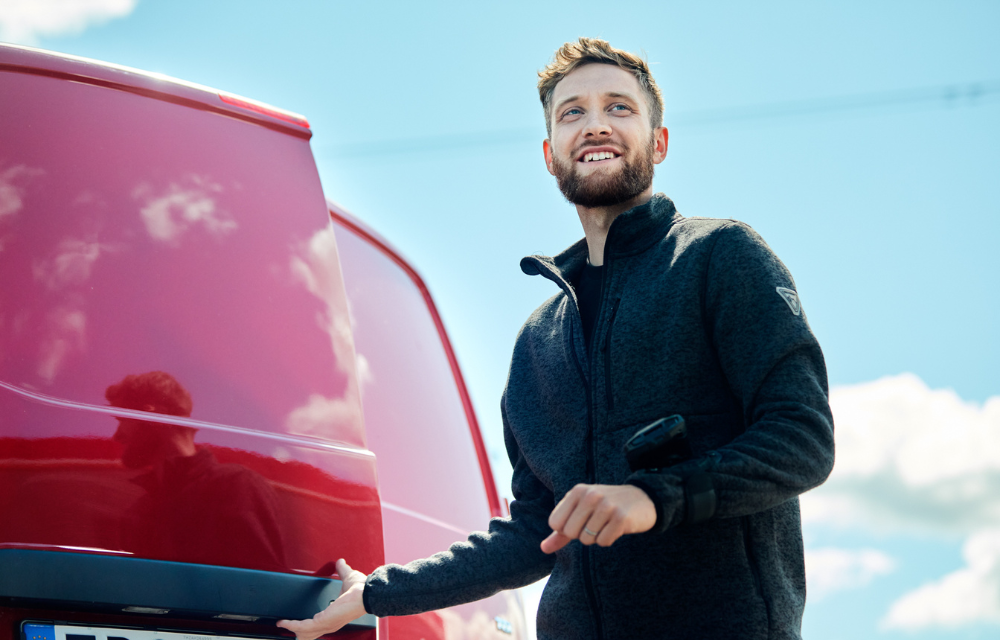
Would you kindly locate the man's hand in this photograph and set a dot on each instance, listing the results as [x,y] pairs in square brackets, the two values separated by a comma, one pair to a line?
[347,607]
[599,513]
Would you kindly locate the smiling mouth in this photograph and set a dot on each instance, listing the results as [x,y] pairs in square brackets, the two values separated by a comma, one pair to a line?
[597,156]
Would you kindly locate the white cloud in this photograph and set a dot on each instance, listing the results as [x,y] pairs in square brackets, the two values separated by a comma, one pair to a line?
[365,374]
[322,417]
[317,267]
[169,214]
[11,195]
[971,594]
[24,21]
[72,264]
[909,456]
[830,569]
[66,335]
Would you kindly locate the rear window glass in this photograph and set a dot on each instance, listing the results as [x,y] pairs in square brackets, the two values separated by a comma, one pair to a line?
[138,235]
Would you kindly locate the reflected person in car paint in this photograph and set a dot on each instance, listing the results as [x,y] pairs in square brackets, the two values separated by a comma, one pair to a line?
[194,509]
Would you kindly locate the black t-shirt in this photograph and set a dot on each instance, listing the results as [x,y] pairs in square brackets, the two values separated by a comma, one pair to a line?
[588,294]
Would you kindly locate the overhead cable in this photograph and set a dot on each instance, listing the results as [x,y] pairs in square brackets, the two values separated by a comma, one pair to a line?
[948,96]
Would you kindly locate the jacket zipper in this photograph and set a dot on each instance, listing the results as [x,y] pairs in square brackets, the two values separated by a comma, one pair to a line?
[585,560]
[608,391]
[586,563]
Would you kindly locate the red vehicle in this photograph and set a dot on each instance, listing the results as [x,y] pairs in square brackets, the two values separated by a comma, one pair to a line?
[213,381]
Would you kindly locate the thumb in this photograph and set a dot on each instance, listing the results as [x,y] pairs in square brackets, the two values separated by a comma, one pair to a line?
[555,542]
[348,576]
[343,569]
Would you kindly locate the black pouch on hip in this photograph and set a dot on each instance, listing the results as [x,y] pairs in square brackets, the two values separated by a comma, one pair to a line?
[663,444]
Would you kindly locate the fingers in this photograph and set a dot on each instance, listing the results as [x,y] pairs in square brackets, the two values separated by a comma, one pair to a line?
[599,514]
[597,519]
[614,529]
[298,627]
[565,508]
[303,629]
[349,606]
[585,507]
[569,517]
[326,621]
[601,521]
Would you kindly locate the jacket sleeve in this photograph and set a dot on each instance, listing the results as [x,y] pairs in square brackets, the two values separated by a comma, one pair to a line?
[507,556]
[775,369]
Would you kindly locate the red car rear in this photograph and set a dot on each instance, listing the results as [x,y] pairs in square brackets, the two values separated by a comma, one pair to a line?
[213,382]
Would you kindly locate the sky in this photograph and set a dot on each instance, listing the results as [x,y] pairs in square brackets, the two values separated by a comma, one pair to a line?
[861,139]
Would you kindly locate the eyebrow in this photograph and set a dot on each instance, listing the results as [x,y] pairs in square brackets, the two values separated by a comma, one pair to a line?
[610,94]
[560,104]
[615,94]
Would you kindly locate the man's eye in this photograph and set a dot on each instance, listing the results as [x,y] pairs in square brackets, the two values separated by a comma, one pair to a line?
[620,107]
[572,112]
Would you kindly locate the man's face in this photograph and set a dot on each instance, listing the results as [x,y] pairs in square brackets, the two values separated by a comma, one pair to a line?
[602,148]
[144,443]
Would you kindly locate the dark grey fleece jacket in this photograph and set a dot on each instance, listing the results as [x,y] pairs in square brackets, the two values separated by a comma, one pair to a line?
[698,317]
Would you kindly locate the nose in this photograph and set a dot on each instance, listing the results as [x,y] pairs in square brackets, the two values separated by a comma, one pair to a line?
[597,126]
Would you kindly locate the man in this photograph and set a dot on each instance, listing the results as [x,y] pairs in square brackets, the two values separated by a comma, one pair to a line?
[657,315]
[194,509]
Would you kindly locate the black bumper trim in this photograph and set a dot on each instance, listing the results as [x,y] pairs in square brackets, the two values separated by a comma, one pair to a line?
[112,583]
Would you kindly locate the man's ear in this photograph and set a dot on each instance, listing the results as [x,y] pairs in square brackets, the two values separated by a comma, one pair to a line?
[547,150]
[660,138]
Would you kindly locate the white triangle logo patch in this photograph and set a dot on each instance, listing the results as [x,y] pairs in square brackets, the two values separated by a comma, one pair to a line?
[792,298]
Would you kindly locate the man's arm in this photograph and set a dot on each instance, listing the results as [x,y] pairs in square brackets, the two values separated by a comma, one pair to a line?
[507,556]
[775,369]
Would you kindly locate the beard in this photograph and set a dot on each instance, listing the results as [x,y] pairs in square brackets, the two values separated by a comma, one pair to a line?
[599,190]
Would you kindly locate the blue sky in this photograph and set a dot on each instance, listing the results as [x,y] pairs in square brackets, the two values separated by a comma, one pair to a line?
[862,140]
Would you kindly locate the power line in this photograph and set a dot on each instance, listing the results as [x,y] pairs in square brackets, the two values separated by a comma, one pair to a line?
[941,96]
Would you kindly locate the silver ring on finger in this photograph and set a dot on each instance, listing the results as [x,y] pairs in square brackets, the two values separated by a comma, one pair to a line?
[588,531]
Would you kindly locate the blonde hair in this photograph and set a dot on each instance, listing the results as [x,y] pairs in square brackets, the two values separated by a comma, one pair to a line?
[594,50]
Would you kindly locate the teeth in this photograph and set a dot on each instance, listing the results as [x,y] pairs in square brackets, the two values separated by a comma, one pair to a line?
[600,155]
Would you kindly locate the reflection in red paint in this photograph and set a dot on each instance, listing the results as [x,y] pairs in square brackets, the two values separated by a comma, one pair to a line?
[190,498]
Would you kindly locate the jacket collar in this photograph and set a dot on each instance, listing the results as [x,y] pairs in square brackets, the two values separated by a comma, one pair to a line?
[632,232]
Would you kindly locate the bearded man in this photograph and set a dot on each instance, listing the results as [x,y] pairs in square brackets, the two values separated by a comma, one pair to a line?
[657,315]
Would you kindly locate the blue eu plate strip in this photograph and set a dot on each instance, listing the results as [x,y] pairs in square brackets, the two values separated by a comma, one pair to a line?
[39,632]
